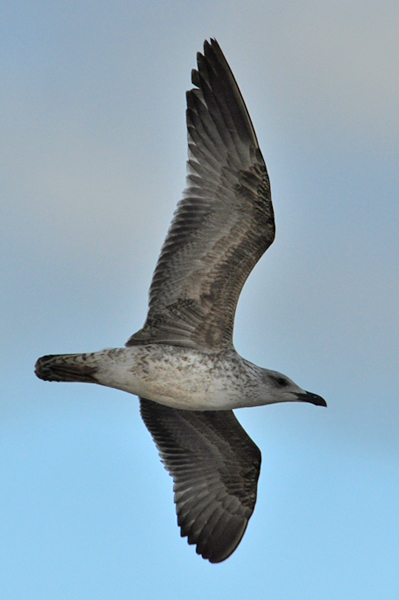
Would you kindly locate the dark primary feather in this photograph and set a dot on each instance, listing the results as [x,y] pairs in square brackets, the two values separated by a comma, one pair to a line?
[215,467]
[222,226]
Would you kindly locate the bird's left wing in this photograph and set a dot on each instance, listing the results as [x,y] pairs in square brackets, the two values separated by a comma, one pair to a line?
[215,467]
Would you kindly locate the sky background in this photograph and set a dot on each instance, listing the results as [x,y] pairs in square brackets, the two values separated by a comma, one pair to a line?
[93,150]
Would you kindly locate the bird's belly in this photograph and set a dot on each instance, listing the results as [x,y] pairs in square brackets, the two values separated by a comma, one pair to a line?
[179,378]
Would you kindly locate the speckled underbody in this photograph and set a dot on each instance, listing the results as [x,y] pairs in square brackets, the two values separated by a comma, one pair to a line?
[177,377]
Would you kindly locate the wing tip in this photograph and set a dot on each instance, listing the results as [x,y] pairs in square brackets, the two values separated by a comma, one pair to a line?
[220,549]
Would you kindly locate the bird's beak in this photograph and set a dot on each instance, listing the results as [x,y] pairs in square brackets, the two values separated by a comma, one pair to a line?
[312,398]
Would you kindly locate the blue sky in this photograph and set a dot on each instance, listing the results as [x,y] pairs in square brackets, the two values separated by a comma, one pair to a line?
[93,147]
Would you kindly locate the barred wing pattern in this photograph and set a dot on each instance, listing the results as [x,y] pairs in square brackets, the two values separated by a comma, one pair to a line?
[222,226]
[215,467]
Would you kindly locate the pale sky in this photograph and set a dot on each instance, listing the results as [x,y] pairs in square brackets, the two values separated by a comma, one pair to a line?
[93,149]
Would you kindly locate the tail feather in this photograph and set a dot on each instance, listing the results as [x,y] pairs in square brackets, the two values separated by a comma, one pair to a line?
[65,367]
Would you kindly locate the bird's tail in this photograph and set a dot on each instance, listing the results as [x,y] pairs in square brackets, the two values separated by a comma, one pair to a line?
[66,367]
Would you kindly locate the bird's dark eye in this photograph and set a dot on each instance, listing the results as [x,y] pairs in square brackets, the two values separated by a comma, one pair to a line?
[281,382]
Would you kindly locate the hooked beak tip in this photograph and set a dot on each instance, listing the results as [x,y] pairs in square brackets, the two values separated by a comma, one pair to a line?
[312,398]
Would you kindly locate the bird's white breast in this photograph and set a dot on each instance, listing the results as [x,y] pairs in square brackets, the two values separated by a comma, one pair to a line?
[178,377]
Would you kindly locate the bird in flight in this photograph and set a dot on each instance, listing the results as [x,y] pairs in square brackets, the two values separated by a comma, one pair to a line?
[182,363]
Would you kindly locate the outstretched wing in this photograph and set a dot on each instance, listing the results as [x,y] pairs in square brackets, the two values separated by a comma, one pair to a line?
[215,467]
[222,226]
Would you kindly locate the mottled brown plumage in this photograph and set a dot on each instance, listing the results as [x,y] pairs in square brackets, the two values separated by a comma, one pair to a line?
[222,226]
[215,466]
[220,229]
[183,357]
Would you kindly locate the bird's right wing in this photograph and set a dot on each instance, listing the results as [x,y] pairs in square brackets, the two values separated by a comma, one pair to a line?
[215,467]
[222,226]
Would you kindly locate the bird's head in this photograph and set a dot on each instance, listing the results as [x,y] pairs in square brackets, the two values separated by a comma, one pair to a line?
[280,388]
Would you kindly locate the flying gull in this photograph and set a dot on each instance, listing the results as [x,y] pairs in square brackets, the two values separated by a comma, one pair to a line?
[182,363]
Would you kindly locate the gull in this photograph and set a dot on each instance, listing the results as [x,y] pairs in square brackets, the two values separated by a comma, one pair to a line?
[182,364]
